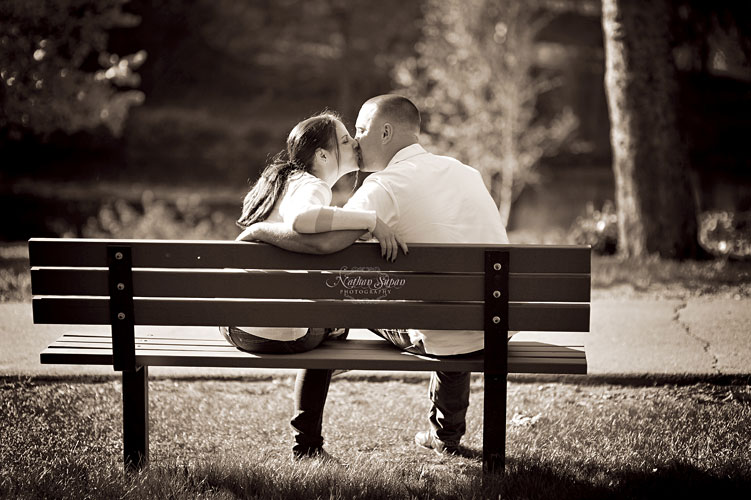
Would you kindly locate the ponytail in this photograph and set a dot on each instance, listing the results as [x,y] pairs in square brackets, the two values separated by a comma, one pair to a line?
[260,200]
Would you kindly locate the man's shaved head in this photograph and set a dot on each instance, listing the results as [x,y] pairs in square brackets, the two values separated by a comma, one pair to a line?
[385,125]
[397,109]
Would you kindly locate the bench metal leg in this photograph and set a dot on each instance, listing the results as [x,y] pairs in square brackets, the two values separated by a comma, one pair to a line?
[136,418]
[495,366]
[494,423]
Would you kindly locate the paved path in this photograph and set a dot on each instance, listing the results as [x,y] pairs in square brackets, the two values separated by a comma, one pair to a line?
[704,335]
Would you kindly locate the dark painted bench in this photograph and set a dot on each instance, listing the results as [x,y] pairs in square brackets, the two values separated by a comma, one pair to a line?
[124,283]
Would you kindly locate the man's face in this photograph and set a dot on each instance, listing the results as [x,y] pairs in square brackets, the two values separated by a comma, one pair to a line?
[367,134]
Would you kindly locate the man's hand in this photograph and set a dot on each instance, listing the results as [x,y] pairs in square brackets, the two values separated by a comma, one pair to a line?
[283,236]
[390,241]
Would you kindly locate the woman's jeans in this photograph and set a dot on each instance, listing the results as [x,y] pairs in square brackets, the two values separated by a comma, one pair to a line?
[252,343]
[449,395]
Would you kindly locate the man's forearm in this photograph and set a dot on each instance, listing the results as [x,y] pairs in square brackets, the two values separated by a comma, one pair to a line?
[283,236]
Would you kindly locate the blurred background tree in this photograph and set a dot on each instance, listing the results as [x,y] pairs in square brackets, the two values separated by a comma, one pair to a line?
[225,80]
[476,79]
[647,43]
[56,72]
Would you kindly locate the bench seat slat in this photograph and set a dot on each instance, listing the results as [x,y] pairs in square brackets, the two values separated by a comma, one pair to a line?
[221,254]
[316,314]
[236,283]
[540,350]
[360,354]
[73,340]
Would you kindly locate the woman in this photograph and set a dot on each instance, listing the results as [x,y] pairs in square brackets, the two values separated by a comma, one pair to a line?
[295,188]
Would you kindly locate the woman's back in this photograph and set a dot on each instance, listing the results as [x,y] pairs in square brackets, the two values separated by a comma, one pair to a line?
[302,191]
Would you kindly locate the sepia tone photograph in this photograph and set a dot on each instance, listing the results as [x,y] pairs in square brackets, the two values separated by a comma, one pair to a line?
[415,249]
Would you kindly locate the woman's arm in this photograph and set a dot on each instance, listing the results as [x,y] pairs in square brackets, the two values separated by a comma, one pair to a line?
[307,214]
[321,219]
[283,236]
[306,209]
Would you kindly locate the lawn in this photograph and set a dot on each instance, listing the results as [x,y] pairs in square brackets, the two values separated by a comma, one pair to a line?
[568,437]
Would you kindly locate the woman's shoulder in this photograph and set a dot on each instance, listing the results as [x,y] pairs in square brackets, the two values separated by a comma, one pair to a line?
[301,178]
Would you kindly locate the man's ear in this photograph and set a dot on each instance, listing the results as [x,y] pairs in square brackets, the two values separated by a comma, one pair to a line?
[321,155]
[388,133]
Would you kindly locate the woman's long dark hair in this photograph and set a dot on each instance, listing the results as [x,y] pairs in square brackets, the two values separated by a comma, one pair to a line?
[316,132]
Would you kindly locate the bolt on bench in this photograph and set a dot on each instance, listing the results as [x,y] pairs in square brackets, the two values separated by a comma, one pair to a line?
[129,283]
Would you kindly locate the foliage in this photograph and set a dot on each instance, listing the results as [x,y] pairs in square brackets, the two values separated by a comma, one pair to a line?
[341,50]
[476,79]
[15,280]
[726,233]
[567,438]
[186,220]
[598,228]
[722,233]
[48,78]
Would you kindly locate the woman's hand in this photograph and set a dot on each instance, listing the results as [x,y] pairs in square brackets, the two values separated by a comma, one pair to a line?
[248,234]
[389,240]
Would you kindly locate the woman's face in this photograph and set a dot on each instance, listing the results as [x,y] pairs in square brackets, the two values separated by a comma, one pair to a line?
[333,168]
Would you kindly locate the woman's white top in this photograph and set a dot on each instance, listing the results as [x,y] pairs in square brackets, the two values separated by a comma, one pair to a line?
[304,207]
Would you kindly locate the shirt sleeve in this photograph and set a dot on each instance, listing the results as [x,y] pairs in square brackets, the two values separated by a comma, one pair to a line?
[308,212]
[321,219]
[375,195]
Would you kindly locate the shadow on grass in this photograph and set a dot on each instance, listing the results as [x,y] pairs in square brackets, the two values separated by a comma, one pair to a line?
[524,479]
[627,380]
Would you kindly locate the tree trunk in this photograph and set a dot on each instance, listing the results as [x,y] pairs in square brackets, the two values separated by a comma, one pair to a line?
[656,211]
[342,13]
[506,192]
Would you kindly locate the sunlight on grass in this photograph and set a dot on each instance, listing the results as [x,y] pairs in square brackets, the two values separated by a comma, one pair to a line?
[231,438]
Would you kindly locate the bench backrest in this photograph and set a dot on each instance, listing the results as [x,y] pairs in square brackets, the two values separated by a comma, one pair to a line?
[231,283]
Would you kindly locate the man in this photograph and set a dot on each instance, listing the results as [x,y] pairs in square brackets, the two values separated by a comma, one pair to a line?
[426,199]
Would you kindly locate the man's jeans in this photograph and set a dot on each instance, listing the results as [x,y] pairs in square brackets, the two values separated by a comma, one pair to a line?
[449,395]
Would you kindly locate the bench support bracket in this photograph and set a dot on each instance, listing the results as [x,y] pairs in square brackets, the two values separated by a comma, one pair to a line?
[496,359]
[121,307]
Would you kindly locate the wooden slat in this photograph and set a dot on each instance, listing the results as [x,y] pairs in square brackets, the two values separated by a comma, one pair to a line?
[69,340]
[541,350]
[102,339]
[368,355]
[524,340]
[61,252]
[311,285]
[321,314]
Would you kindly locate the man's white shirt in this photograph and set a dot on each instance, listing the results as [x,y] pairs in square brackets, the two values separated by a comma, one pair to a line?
[428,198]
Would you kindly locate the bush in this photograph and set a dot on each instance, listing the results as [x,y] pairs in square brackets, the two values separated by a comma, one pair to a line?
[721,233]
[48,76]
[598,228]
[188,219]
[726,234]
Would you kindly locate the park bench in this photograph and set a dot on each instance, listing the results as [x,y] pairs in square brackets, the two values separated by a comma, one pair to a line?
[133,284]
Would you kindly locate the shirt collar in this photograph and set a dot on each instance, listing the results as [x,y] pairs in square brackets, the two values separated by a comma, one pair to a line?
[407,153]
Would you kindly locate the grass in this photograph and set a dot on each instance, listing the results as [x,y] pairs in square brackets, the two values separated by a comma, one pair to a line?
[567,438]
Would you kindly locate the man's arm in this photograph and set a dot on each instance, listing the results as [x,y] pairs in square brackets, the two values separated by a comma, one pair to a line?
[283,236]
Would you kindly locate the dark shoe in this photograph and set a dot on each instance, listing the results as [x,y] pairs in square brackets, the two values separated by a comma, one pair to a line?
[314,454]
[426,440]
